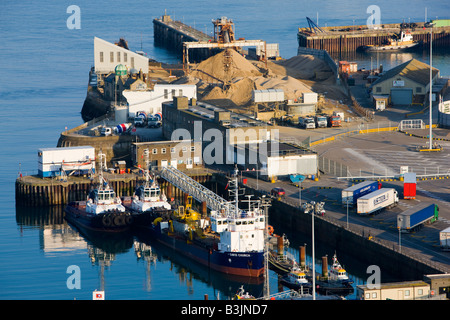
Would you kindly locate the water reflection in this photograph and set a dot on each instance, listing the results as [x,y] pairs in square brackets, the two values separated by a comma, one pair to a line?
[58,238]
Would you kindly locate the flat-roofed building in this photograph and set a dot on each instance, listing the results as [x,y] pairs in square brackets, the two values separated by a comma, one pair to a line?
[408,290]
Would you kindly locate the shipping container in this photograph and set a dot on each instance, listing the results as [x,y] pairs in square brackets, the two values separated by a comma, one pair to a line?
[51,161]
[409,185]
[351,194]
[376,201]
[413,218]
[444,239]
[409,190]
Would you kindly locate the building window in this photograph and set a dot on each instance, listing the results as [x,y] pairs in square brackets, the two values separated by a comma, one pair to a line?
[166,94]
[377,89]
[132,62]
[173,93]
[101,56]
[192,148]
[111,57]
[118,56]
[154,151]
[406,293]
[163,150]
[374,295]
[420,292]
[367,295]
[125,57]
[172,150]
[180,92]
[183,149]
[418,89]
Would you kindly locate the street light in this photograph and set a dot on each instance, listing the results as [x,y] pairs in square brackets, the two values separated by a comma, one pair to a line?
[400,219]
[431,85]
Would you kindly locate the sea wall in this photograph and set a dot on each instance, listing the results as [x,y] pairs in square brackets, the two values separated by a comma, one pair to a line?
[358,245]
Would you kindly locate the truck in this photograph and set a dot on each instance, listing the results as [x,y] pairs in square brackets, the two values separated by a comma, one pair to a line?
[415,217]
[334,121]
[444,239]
[351,194]
[376,201]
[153,122]
[321,121]
[307,123]
[140,119]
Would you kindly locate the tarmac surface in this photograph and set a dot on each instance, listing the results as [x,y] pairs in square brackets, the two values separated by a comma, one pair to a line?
[381,154]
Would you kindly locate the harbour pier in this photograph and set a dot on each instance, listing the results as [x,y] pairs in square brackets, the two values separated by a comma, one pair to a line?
[345,39]
[171,34]
[33,191]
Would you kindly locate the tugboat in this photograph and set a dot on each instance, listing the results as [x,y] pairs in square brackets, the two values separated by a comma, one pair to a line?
[296,278]
[102,211]
[148,201]
[337,282]
[405,41]
[228,240]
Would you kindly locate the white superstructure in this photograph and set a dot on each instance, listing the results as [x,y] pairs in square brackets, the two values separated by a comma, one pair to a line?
[239,230]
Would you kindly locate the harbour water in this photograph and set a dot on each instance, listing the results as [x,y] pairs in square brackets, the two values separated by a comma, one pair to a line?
[43,84]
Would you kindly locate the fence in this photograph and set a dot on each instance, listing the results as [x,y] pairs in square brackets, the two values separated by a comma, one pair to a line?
[332,167]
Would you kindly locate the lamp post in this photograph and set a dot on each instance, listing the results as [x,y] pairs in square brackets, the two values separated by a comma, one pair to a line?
[347,211]
[431,86]
[400,234]
[313,259]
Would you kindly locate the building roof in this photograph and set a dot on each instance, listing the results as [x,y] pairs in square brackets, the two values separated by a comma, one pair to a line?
[413,69]
[395,285]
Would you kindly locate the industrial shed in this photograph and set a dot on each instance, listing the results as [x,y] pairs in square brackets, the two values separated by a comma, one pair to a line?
[405,84]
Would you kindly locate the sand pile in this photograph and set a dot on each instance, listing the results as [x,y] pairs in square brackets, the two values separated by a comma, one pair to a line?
[292,87]
[301,66]
[238,67]
[242,77]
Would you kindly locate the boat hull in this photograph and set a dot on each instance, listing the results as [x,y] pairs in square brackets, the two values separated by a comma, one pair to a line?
[334,287]
[247,264]
[110,222]
[390,48]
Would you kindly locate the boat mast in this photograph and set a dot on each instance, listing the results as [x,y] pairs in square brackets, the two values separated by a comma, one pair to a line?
[265,204]
[146,171]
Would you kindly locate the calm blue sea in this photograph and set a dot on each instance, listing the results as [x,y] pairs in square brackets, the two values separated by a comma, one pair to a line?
[43,84]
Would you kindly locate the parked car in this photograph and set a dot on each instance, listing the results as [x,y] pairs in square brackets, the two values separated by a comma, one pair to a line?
[278,192]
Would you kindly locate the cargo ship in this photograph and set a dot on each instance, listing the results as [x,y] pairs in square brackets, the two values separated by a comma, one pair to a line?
[102,211]
[395,44]
[229,240]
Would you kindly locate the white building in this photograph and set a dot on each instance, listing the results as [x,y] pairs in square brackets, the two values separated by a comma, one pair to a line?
[108,55]
[151,101]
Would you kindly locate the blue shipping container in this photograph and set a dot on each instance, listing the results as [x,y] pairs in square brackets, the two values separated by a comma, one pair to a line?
[352,193]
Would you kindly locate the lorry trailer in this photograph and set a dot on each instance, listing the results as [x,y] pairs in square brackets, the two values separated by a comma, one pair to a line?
[351,194]
[414,218]
[444,239]
[376,201]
